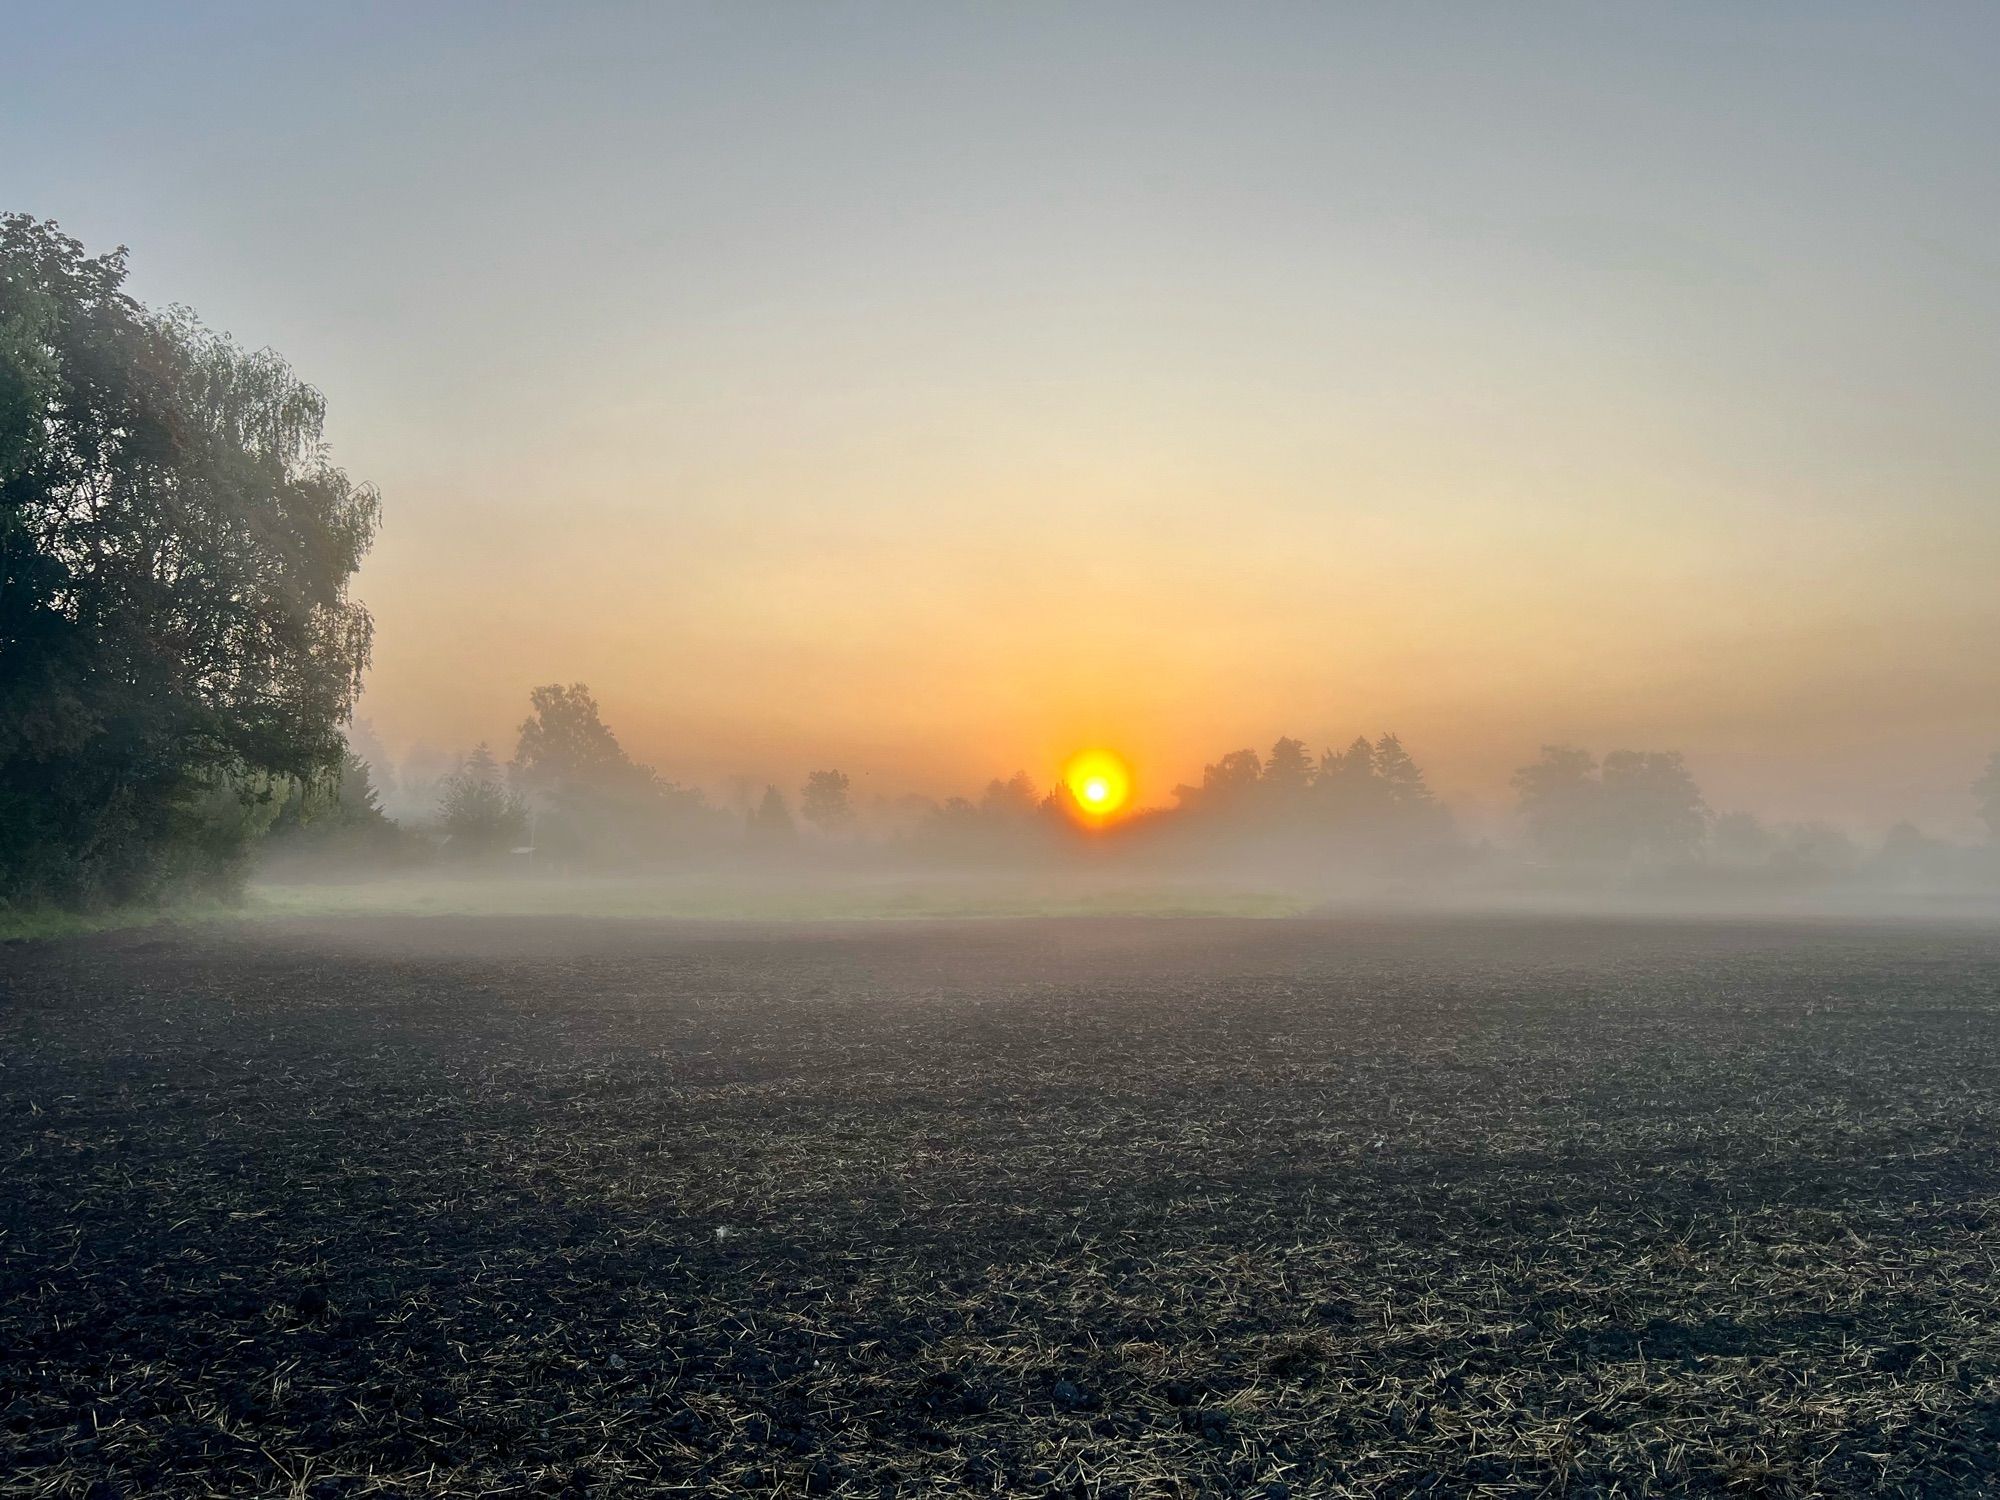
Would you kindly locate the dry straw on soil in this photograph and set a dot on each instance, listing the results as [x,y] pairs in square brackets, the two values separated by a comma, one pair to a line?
[1090,1209]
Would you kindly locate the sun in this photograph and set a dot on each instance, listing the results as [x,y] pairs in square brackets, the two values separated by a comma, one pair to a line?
[1099,783]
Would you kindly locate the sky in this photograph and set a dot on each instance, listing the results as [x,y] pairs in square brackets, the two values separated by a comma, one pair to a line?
[929,391]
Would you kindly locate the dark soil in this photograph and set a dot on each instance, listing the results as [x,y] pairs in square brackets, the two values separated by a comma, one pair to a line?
[1094,1208]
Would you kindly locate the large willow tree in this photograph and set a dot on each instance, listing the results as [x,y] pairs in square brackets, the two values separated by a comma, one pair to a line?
[176,636]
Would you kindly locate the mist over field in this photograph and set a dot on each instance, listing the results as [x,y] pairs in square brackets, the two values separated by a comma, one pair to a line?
[1287,831]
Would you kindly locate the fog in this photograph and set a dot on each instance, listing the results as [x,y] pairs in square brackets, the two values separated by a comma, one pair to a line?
[566,821]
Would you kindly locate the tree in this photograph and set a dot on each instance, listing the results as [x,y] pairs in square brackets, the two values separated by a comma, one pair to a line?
[598,803]
[1907,845]
[957,815]
[1652,808]
[480,766]
[1288,771]
[565,740]
[418,785]
[1560,801]
[1348,788]
[347,800]
[363,742]
[175,553]
[824,800]
[1640,804]
[771,823]
[338,818]
[1987,790]
[1226,783]
[480,815]
[1012,800]
[1402,779]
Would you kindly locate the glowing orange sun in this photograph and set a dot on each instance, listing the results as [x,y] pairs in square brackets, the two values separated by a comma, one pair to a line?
[1098,783]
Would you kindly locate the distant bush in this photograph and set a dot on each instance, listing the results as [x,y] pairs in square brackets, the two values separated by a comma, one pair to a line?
[336,823]
[478,813]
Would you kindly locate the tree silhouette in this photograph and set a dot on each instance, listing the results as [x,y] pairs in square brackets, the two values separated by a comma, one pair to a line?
[1012,800]
[1640,804]
[957,814]
[1347,787]
[771,822]
[1815,849]
[1651,805]
[823,801]
[363,743]
[1560,800]
[565,740]
[1402,779]
[598,804]
[1229,782]
[1288,771]
[335,818]
[481,766]
[480,815]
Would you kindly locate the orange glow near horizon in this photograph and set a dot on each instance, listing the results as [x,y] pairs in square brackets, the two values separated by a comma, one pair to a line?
[1099,784]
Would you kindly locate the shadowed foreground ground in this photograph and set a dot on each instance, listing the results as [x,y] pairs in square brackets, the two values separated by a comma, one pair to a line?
[492,1207]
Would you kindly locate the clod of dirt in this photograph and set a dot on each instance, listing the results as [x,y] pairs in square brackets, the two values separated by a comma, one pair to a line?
[1070,1396]
[1292,1358]
[1896,1359]
[1209,1423]
[948,1393]
[683,1424]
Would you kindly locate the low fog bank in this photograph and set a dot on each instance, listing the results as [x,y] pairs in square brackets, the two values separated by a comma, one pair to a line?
[571,824]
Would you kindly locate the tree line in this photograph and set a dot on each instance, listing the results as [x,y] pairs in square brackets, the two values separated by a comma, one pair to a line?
[571,796]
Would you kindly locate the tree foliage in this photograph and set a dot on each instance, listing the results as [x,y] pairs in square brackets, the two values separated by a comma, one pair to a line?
[1560,799]
[1225,784]
[1367,804]
[177,643]
[335,821]
[1014,800]
[823,801]
[770,824]
[1641,805]
[1653,809]
[1289,768]
[480,814]
[1011,819]
[564,740]
[597,804]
